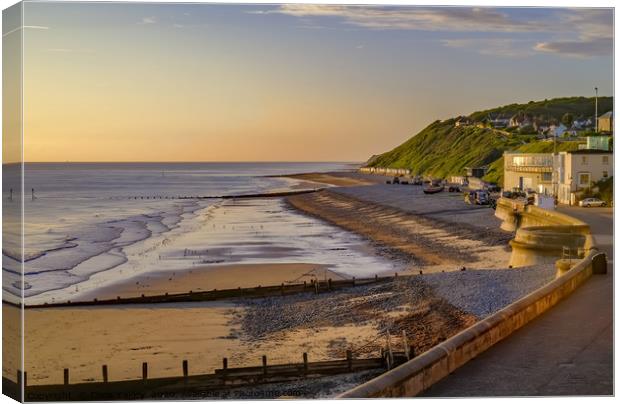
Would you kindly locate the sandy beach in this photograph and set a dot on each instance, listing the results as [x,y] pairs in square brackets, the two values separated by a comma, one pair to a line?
[433,236]
[211,277]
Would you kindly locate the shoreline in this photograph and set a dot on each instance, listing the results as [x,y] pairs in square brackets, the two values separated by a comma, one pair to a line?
[429,308]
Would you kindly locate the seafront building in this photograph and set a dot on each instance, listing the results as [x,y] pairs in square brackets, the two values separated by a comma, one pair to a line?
[606,122]
[579,170]
[566,175]
[528,171]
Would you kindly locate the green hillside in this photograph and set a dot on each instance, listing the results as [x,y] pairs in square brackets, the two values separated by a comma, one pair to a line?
[441,149]
[551,109]
[495,172]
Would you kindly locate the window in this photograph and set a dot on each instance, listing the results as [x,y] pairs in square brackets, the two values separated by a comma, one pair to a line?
[584,179]
[547,177]
[605,174]
[584,160]
[605,160]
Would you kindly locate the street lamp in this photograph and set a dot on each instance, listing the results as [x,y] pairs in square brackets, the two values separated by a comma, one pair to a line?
[595,109]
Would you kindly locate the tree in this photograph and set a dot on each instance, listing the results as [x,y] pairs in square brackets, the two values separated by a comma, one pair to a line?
[568,120]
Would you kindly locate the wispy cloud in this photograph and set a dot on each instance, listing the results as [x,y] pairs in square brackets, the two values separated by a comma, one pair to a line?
[594,35]
[148,20]
[413,18]
[502,47]
[25,27]
[581,48]
[571,32]
[68,50]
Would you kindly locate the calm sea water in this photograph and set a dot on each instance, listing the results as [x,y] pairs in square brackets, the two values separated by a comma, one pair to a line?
[88,227]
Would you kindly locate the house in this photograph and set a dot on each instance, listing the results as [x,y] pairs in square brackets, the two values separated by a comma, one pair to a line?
[578,170]
[557,130]
[499,121]
[520,121]
[462,121]
[605,122]
[528,171]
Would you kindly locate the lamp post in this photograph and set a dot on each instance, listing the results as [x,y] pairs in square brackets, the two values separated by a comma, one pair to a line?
[595,109]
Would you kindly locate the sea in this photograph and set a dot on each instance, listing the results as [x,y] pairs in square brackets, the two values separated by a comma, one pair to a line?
[90,225]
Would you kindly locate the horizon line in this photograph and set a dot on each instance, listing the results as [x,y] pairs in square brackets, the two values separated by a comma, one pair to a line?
[183,162]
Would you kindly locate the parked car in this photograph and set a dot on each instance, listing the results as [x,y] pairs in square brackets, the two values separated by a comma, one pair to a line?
[589,202]
[482,197]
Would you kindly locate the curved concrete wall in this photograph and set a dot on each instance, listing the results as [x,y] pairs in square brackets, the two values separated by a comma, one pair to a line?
[417,375]
[541,235]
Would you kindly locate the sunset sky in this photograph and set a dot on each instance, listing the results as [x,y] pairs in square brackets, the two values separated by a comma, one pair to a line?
[181,82]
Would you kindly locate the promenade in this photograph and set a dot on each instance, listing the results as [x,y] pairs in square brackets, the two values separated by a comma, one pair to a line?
[566,351]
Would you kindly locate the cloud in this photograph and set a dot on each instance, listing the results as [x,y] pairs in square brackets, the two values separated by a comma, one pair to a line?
[414,18]
[148,20]
[503,47]
[40,27]
[571,32]
[580,48]
[69,50]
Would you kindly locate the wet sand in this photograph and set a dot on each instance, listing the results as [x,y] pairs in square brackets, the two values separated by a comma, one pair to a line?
[338,179]
[213,277]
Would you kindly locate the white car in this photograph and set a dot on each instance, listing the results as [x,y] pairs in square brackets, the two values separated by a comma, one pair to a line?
[588,202]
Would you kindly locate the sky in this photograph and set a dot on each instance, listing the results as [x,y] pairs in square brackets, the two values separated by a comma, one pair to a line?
[200,82]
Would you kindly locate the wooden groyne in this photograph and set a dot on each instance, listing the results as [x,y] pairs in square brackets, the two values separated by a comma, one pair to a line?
[186,385]
[241,196]
[314,286]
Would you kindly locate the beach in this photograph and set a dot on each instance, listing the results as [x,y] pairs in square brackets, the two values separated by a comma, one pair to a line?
[451,261]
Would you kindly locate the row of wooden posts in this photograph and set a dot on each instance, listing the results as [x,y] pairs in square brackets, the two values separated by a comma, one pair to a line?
[215,294]
[387,353]
[23,376]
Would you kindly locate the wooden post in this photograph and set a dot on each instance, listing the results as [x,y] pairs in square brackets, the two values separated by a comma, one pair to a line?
[389,352]
[376,277]
[304,285]
[329,284]
[225,363]
[406,345]
[19,378]
[185,368]
[145,370]
[25,379]
[305,362]
[282,289]
[350,359]
[316,288]
[104,372]
[354,281]
[265,364]
[66,376]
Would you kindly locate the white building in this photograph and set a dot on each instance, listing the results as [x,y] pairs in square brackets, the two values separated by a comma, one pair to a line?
[528,171]
[578,170]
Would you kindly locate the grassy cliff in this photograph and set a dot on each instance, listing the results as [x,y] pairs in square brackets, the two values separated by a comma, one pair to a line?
[441,149]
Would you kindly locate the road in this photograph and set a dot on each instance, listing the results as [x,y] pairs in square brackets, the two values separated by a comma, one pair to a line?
[566,351]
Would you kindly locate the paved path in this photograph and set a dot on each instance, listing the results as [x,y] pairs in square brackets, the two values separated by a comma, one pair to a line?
[566,351]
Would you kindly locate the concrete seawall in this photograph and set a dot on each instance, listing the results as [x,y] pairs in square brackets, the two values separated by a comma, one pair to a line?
[417,375]
[542,236]
[550,229]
